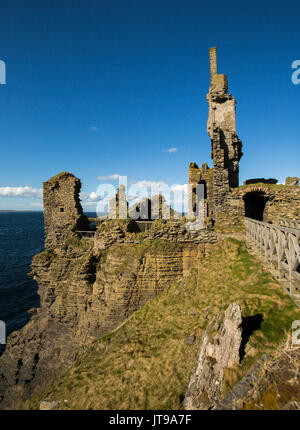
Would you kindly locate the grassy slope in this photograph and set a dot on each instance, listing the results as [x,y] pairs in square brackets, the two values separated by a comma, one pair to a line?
[146,363]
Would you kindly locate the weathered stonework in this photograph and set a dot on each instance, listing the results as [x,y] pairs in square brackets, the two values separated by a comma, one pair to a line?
[125,231]
[268,203]
[202,176]
[226,147]
[221,127]
[292,181]
[62,209]
[147,209]
[118,206]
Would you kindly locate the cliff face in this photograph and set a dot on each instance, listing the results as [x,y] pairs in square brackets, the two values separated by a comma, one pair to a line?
[84,295]
[116,371]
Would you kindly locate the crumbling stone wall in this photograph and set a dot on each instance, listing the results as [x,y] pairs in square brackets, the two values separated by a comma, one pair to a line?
[145,209]
[118,206]
[282,206]
[226,147]
[62,209]
[293,181]
[282,202]
[203,176]
[221,127]
[110,232]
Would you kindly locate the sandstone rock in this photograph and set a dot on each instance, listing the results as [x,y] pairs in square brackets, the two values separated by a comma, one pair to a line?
[109,232]
[84,295]
[219,350]
[190,339]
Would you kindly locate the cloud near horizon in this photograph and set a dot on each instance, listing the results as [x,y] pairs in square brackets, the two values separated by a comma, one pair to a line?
[25,191]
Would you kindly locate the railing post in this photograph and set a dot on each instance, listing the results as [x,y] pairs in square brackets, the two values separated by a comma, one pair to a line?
[279,247]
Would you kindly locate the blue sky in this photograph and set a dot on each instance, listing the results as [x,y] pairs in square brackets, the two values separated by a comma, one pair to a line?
[102,88]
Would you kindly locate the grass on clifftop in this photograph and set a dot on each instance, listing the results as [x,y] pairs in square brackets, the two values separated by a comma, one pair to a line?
[146,363]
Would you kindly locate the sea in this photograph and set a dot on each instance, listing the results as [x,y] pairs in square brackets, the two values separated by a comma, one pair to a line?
[21,237]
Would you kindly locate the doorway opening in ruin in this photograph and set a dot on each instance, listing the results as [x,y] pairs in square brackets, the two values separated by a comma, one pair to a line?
[202,195]
[255,203]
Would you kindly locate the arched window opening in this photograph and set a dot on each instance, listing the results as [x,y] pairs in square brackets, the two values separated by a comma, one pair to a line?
[255,203]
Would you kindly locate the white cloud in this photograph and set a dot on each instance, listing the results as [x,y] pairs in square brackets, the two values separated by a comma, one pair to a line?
[105,178]
[150,188]
[36,205]
[170,150]
[89,198]
[160,185]
[93,195]
[93,128]
[25,191]
[174,194]
[146,183]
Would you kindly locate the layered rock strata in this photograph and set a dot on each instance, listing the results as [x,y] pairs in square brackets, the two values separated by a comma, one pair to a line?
[84,295]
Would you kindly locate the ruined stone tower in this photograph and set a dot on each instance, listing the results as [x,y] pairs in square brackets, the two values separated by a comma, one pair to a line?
[62,209]
[225,144]
[118,206]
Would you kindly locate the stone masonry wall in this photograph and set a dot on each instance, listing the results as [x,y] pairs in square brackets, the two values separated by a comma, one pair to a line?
[204,176]
[283,202]
[111,232]
[62,209]
[221,127]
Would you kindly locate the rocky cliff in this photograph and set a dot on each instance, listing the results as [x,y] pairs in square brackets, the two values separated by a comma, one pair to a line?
[163,338]
[84,295]
[220,350]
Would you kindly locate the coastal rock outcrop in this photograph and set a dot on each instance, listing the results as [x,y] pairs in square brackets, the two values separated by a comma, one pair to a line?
[84,295]
[219,350]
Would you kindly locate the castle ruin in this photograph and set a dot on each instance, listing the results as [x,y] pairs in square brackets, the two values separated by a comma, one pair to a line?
[63,213]
[226,202]
[226,147]
[89,284]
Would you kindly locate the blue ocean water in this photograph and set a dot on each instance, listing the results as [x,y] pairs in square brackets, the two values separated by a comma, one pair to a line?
[21,237]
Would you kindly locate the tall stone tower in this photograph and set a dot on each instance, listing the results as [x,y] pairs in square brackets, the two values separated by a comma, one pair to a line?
[226,146]
[62,209]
